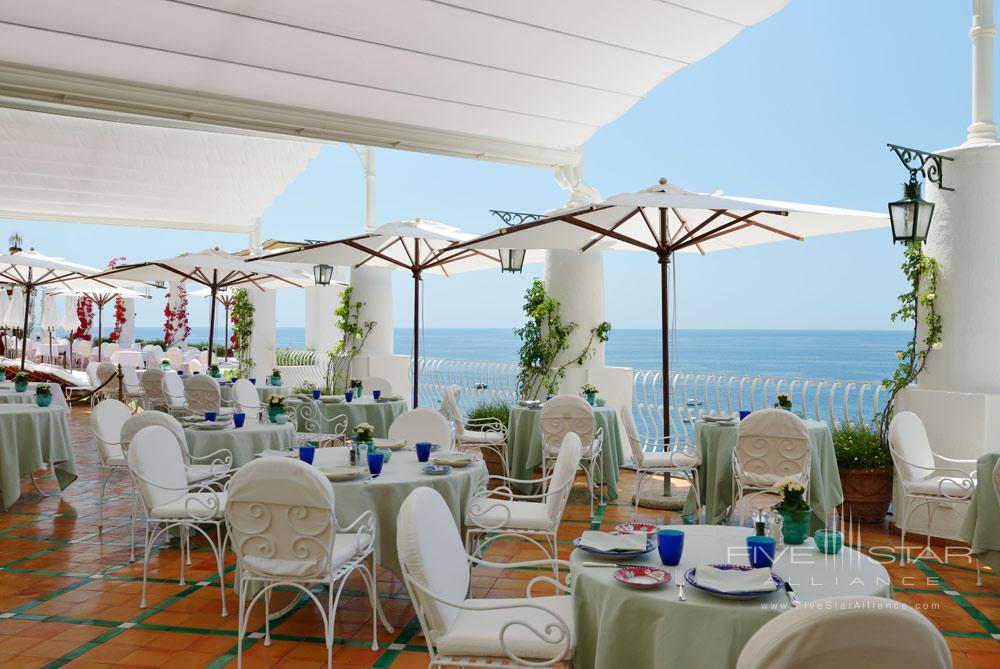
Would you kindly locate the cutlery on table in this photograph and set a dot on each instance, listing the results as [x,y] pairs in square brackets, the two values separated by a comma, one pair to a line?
[792,597]
[610,564]
[681,597]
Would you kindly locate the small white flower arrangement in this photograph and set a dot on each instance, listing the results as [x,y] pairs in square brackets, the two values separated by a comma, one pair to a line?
[364,432]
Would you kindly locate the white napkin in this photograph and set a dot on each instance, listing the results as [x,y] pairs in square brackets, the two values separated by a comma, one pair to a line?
[734,580]
[602,541]
[449,457]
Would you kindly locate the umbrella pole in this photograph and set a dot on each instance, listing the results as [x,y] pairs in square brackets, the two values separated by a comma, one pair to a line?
[100,329]
[416,337]
[225,344]
[665,349]
[24,332]
[211,325]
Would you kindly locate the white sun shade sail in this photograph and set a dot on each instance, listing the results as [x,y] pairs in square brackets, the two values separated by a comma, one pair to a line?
[401,245]
[60,168]
[695,222]
[522,81]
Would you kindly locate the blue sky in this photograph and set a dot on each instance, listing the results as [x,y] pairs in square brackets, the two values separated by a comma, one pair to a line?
[796,108]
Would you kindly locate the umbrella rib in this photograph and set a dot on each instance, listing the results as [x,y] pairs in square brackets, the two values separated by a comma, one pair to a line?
[372,253]
[611,229]
[649,225]
[684,226]
[724,229]
[680,243]
[572,220]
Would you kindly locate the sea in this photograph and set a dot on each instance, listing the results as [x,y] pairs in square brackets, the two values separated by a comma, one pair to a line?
[860,355]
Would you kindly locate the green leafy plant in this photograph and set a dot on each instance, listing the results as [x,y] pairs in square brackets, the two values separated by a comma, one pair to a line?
[792,499]
[497,410]
[364,432]
[43,389]
[275,401]
[543,338]
[21,376]
[922,273]
[354,333]
[15,241]
[304,388]
[860,447]
[276,372]
[242,315]
[588,389]
[784,401]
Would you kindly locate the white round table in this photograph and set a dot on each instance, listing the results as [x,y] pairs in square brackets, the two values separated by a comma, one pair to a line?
[244,442]
[384,495]
[653,629]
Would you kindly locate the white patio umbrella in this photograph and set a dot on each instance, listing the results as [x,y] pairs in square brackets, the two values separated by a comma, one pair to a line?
[50,320]
[31,270]
[100,293]
[71,323]
[666,219]
[214,269]
[16,317]
[4,304]
[414,246]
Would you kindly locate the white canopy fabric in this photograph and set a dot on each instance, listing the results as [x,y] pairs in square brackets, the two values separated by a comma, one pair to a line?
[50,320]
[518,81]
[14,317]
[71,322]
[60,168]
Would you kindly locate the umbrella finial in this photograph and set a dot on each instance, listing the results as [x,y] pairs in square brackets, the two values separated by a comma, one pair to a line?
[663,181]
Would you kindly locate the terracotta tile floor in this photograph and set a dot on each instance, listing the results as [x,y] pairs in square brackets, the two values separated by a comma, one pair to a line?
[66,599]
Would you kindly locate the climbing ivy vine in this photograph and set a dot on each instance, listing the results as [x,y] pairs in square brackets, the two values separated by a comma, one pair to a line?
[242,316]
[354,333]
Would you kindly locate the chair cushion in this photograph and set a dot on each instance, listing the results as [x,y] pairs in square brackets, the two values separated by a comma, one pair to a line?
[179,507]
[661,459]
[198,473]
[763,479]
[474,437]
[523,515]
[117,461]
[345,547]
[934,485]
[585,453]
[477,632]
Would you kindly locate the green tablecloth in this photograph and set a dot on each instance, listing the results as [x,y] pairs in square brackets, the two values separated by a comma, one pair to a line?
[716,443]
[10,396]
[524,444]
[365,410]
[981,528]
[243,443]
[385,494]
[263,391]
[31,436]
[617,625]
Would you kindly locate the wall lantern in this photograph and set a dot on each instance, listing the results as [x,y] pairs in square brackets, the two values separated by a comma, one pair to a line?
[911,215]
[322,274]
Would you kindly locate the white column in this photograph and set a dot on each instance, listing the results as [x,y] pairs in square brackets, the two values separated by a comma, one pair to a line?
[127,338]
[577,281]
[373,286]
[264,340]
[983,130]
[321,332]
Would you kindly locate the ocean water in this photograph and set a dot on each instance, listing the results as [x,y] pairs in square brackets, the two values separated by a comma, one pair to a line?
[841,354]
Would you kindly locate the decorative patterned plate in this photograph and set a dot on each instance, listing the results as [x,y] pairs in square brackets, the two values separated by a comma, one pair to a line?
[344,473]
[691,577]
[615,555]
[634,528]
[436,470]
[642,576]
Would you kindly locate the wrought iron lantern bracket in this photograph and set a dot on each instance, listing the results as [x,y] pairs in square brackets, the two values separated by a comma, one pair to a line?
[925,163]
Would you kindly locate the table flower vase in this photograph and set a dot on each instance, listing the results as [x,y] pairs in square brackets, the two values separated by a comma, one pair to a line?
[275,380]
[20,385]
[794,531]
[591,398]
[274,412]
[43,400]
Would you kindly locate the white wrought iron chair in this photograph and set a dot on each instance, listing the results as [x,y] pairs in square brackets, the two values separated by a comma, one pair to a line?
[176,358]
[91,371]
[168,501]
[134,391]
[570,413]
[287,536]
[771,445]
[173,390]
[996,481]
[927,478]
[194,366]
[464,632]
[152,385]
[483,433]
[107,376]
[203,359]
[245,399]
[81,352]
[847,632]
[315,428]
[501,512]
[670,457]
[202,394]
[198,468]
[422,425]
[106,423]
[370,383]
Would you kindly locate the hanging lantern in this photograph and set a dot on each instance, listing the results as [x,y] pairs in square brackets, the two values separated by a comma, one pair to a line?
[511,260]
[911,215]
[322,274]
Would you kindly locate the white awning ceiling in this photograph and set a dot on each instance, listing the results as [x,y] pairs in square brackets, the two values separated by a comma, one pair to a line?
[61,168]
[521,81]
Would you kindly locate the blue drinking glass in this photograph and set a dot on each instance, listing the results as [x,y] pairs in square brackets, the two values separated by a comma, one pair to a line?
[670,544]
[316,394]
[180,372]
[238,419]
[195,373]
[423,450]
[744,414]
[253,380]
[211,416]
[375,460]
[761,551]
[348,395]
[376,394]
[307,453]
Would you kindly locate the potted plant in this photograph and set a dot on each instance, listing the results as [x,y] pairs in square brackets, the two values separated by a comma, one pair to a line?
[165,364]
[21,382]
[784,401]
[14,243]
[364,433]
[275,377]
[43,394]
[275,407]
[355,385]
[794,510]
[214,371]
[590,392]
[865,466]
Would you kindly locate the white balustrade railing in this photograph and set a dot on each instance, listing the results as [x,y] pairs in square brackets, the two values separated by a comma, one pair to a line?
[692,394]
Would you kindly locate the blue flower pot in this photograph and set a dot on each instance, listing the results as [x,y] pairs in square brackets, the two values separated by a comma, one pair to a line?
[795,532]
[20,386]
[43,400]
[273,413]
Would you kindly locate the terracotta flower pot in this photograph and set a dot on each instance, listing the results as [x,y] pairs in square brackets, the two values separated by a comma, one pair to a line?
[867,494]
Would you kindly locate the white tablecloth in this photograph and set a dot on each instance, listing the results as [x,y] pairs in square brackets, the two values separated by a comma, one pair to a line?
[10,396]
[30,437]
[130,358]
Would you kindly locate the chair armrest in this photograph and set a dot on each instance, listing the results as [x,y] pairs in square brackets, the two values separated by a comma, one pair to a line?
[955,461]
[365,525]
[485,425]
